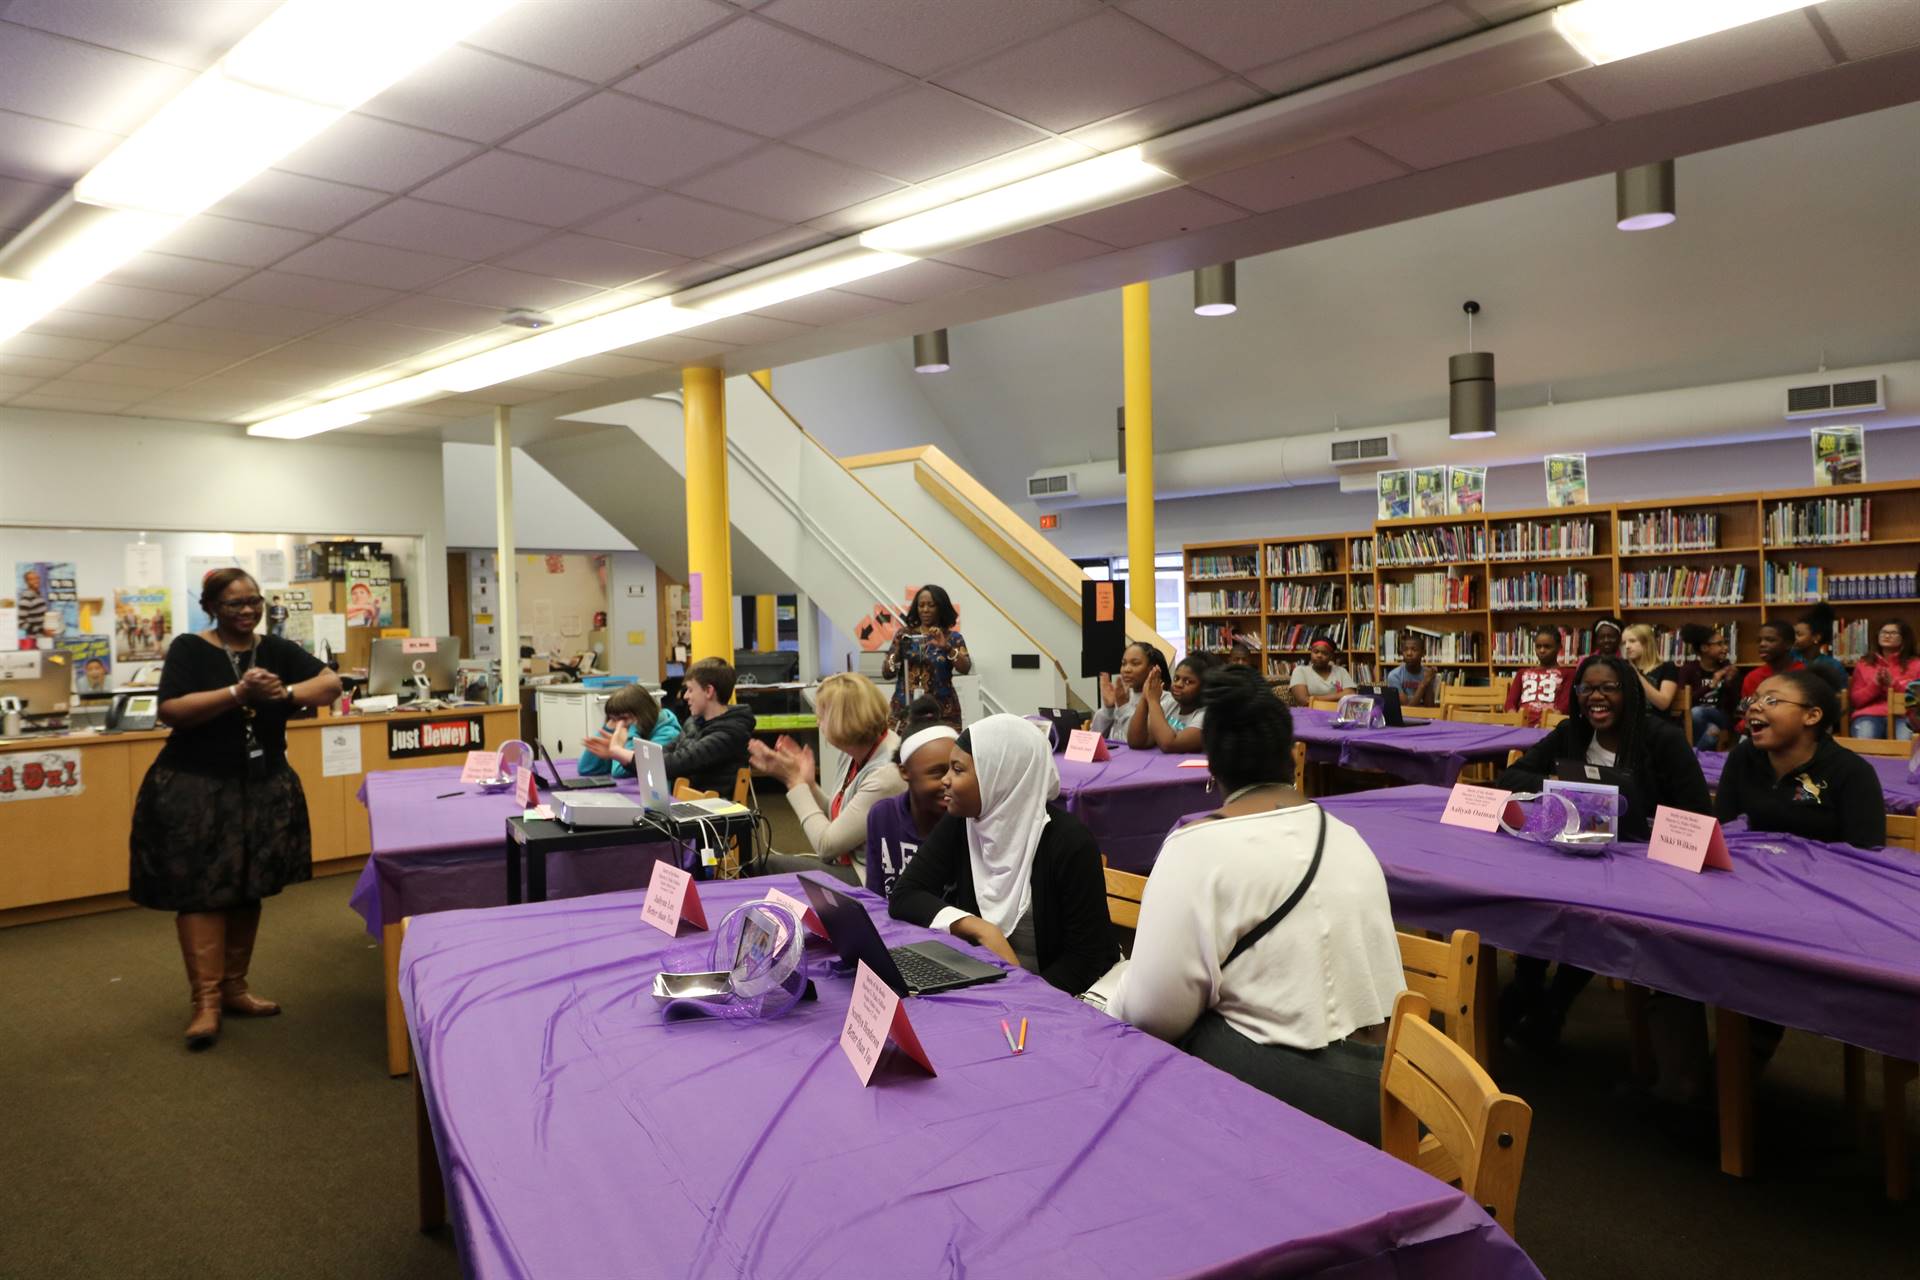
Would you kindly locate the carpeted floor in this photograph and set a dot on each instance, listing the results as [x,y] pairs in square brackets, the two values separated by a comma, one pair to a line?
[287,1152]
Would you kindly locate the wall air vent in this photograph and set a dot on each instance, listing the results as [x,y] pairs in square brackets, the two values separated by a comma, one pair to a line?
[1824,399]
[1356,451]
[1051,484]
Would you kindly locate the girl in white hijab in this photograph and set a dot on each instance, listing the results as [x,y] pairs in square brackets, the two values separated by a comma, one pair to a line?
[1006,868]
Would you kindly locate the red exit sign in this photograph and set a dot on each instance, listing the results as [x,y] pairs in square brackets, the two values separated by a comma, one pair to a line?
[1050,522]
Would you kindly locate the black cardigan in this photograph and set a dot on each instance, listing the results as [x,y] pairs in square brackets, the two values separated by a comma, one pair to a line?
[1071,936]
[1665,772]
[1835,797]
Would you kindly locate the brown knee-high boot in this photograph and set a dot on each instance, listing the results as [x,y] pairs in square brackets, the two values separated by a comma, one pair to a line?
[203,943]
[243,925]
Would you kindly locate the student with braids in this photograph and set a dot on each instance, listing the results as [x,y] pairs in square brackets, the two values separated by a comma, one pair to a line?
[1610,725]
[1266,943]
[1152,727]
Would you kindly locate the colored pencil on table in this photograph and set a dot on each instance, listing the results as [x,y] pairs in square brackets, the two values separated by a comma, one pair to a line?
[1009,1030]
[450,795]
[1023,1037]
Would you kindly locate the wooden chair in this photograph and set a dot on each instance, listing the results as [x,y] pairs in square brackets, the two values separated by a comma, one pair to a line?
[1124,892]
[1324,704]
[1876,747]
[1491,697]
[1446,973]
[1476,715]
[1548,719]
[1429,1080]
[684,790]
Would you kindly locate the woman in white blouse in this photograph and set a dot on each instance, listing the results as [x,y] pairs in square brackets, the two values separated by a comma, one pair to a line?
[853,718]
[1266,944]
[1120,699]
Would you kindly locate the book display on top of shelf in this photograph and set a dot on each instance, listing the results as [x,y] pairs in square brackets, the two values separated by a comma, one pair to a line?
[1839,455]
[1466,491]
[1395,491]
[1429,491]
[1566,479]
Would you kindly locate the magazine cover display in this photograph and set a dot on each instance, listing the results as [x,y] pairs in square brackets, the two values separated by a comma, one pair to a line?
[1396,494]
[1566,479]
[1839,455]
[1429,491]
[1466,490]
[142,623]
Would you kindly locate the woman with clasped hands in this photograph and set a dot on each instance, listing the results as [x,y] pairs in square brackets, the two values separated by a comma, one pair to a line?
[927,653]
[221,820]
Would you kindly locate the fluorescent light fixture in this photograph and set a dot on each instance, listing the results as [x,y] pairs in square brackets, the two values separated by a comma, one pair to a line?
[610,332]
[339,53]
[1609,30]
[391,395]
[796,277]
[1033,202]
[310,421]
[98,245]
[21,304]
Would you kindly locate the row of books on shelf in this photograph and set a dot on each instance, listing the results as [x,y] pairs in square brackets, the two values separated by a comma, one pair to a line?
[1543,540]
[1223,602]
[1303,557]
[1298,635]
[1210,637]
[1427,592]
[1303,597]
[1442,646]
[1441,542]
[1363,629]
[1203,565]
[1794,583]
[1681,584]
[1539,590]
[1360,555]
[1514,646]
[1820,521]
[1363,598]
[1669,530]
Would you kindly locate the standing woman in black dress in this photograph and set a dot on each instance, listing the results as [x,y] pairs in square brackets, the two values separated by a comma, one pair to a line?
[221,821]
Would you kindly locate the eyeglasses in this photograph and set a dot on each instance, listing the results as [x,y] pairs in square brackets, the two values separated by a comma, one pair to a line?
[1772,700]
[1610,688]
[241,606]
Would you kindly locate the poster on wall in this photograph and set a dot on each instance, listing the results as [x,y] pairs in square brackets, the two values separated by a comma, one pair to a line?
[46,603]
[290,614]
[1566,479]
[40,775]
[198,567]
[144,565]
[369,594]
[272,565]
[92,663]
[1466,490]
[142,623]
[1429,491]
[1396,494]
[1839,455]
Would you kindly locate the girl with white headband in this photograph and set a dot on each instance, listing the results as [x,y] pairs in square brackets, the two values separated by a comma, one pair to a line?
[897,825]
[1006,868]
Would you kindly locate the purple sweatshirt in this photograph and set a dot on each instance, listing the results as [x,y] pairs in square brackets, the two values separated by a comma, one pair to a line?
[892,839]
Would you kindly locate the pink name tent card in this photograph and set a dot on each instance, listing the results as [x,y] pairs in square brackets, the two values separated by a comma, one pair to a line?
[671,899]
[481,766]
[1200,763]
[801,911]
[1689,841]
[1475,808]
[1084,746]
[875,1016]
[524,789]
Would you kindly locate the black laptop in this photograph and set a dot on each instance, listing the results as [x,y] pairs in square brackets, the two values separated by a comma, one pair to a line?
[917,969]
[557,783]
[1064,721]
[1387,698]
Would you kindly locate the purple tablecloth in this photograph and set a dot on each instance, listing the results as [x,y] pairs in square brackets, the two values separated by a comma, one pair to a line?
[431,854]
[1821,937]
[582,1136]
[1430,751]
[1902,792]
[1131,801]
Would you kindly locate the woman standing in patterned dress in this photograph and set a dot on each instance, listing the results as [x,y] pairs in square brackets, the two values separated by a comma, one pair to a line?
[925,657]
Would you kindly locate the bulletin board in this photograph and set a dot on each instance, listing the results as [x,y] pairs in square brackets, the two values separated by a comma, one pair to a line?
[561,595]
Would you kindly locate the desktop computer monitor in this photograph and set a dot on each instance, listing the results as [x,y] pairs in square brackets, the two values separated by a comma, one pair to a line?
[42,679]
[394,663]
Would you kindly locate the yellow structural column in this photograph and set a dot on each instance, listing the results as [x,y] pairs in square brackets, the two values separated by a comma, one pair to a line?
[1137,353]
[766,625]
[709,521]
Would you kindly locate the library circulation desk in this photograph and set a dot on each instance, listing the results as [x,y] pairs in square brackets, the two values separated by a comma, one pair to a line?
[65,852]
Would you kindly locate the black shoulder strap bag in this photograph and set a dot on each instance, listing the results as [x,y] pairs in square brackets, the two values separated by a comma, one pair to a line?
[1281,912]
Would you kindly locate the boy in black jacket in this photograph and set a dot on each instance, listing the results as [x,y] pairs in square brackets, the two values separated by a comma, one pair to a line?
[712,746]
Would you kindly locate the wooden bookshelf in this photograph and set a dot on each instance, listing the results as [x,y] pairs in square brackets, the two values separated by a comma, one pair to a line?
[1768,555]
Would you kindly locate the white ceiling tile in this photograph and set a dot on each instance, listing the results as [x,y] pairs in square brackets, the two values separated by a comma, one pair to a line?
[386,341]
[224,240]
[132,377]
[828,307]
[1479,126]
[308,293]
[597,39]
[750,330]
[1175,111]
[492,286]
[13,386]
[32,366]
[1760,53]
[517,186]
[182,337]
[613,366]
[77,324]
[125,300]
[22,201]
[471,94]
[794,81]
[309,360]
[373,264]
[550,382]
[613,134]
[48,151]
[187,33]
[680,350]
[80,391]
[778,245]
[590,260]
[919,282]
[1868,28]
[439,228]
[1497,11]
[1160,216]
[1306,175]
[682,227]
[1240,36]
[80,84]
[253,317]
[196,363]
[181,275]
[1025,252]
[290,200]
[48,347]
[788,185]
[918,134]
[367,152]
[448,317]
[68,404]
[1041,157]
[1421,29]
[1082,73]
[922,36]
[508,394]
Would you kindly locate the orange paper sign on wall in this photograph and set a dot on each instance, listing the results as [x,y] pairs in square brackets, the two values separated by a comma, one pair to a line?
[1103,602]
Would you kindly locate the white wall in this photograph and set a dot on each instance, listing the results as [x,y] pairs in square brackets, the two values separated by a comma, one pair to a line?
[99,471]
[633,609]
[866,401]
[546,514]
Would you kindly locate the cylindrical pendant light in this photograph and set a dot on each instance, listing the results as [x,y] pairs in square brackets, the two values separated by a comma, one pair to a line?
[1470,388]
[1643,196]
[930,352]
[1213,290]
